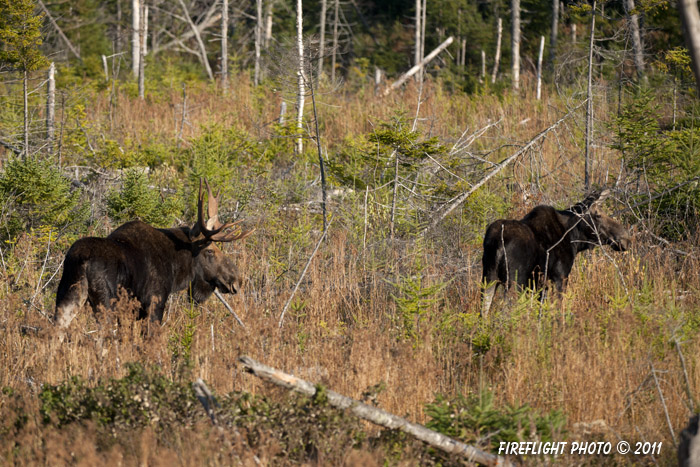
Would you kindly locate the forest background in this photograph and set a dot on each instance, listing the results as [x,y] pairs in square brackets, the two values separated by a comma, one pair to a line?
[370,202]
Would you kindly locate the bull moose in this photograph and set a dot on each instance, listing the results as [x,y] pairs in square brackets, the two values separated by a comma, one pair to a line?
[150,264]
[543,244]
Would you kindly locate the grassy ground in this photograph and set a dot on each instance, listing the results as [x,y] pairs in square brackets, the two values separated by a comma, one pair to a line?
[604,353]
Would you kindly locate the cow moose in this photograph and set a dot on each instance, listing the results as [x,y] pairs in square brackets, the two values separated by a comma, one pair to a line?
[543,244]
[150,264]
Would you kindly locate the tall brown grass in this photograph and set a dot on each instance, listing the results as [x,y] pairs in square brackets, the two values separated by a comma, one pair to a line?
[589,352]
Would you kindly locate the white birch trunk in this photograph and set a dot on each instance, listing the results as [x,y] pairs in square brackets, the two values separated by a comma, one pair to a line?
[335,39]
[554,32]
[143,34]
[135,36]
[539,68]
[589,107]
[515,43]
[50,105]
[573,33]
[424,11]
[301,80]
[258,40]
[268,23]
[224,45]
[416,55]
[691,30]
[637,47]
[497,58]
[322,38]
[25,94]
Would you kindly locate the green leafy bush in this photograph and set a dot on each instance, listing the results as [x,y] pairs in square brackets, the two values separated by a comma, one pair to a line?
[37,194]
[137,200]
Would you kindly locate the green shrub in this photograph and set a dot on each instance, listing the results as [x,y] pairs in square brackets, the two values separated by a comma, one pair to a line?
[475,418]
[141,397]
[137,200]
[37,194]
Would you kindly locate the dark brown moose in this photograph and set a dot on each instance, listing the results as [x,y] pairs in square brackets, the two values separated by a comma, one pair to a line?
[543,244]
[150,264]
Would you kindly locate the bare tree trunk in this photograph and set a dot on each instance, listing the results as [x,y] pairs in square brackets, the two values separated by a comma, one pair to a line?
[419,17]
[589,106]
[200,43]
[497,58]
[25,94]
[464,53]
[258,40]
[515,43]
[394,195]
[539,68]
[322,38]
[482,77]
[637,46]
[321,164]
[424,12]
[224,45]
[335,39]
[135,39]
[118,39]
[268,22]
[573,33]
[299,147]
[554,33]
[691,30]
[50,106]
[143,34]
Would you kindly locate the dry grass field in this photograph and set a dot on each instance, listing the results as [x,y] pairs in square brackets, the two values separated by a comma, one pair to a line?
[616,354]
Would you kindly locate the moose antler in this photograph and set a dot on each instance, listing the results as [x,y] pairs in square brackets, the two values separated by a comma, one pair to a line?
[212,229]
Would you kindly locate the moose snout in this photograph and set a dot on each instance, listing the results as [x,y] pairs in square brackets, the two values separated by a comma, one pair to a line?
[621,244]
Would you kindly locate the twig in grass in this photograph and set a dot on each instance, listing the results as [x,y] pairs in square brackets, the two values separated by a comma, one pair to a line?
[303,273]
[663,403]
[691,400]
[206,398]
[228,307]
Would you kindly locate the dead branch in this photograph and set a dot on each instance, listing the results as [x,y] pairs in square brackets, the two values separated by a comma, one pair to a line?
[53,22]
[203,26]
[228,307]
[375,415]
[458,200]
[419,66]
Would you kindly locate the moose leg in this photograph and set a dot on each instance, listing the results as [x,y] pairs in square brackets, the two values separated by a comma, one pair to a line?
[69,299]
[487,298]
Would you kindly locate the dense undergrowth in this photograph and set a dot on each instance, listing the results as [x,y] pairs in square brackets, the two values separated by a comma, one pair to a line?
[393,317]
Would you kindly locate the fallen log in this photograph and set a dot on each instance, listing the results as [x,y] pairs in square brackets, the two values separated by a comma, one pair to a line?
[375,415]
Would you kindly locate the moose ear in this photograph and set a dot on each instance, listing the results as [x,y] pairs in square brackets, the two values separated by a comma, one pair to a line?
[195,232]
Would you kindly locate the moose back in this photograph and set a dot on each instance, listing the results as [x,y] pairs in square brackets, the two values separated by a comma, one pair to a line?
[150,264]
[543,244]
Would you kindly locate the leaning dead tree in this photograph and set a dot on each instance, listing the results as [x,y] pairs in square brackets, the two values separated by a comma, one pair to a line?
[375,415]
[418,66]
[455,202]
[202,50]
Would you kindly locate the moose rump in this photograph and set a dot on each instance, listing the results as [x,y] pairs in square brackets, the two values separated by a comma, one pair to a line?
[543,245]
[150,264]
